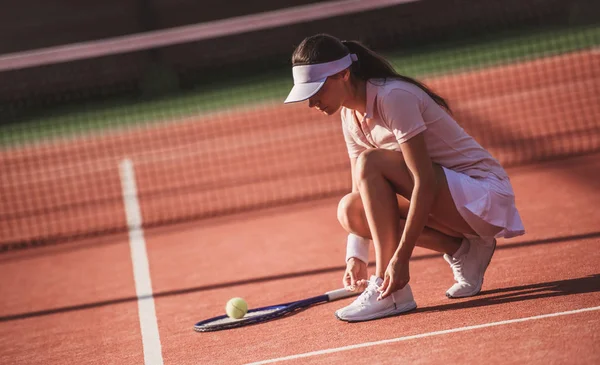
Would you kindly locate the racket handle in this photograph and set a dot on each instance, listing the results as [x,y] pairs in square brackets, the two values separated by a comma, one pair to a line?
[340,294]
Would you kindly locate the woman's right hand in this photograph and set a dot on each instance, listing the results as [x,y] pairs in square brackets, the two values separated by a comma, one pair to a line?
[356,276]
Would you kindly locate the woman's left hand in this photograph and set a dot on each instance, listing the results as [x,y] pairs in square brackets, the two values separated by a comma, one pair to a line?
[396,277]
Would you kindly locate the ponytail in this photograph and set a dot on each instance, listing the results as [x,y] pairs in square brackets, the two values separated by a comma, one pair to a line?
[371,65]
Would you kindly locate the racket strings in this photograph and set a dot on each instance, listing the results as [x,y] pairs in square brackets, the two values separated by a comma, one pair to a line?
[249,316]
[267,313]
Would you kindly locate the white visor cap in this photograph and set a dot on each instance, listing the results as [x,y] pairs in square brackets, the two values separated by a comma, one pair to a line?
[308,79]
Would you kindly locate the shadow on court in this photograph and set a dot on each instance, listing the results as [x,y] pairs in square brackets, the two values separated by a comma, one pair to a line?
[518,293]
[588,284]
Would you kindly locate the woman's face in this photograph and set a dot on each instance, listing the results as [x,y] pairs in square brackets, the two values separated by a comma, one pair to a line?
[332,94]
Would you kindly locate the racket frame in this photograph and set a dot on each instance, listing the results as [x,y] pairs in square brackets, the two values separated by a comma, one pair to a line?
[275,311]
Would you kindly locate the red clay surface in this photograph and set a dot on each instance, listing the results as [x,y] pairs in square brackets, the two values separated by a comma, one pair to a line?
[65,304]
[563,340]
[76,302]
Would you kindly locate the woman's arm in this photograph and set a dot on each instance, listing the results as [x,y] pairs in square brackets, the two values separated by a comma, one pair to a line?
[402,112]
[423,195]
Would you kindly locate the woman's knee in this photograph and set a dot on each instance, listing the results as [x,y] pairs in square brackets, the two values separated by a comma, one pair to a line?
[368,163]
[350,212]
[377,163]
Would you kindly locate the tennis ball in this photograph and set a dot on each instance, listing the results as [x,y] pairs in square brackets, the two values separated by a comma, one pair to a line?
[236,308]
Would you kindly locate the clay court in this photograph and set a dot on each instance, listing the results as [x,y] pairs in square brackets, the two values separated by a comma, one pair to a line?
[75,301]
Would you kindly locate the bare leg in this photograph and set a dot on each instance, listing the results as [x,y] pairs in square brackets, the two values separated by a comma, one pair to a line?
[381,210]
[381,174]
[436,236]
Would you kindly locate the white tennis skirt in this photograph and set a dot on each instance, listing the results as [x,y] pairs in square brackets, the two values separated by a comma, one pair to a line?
[486,204]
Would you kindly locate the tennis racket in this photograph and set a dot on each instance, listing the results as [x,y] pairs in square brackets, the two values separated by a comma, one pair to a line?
[264,314]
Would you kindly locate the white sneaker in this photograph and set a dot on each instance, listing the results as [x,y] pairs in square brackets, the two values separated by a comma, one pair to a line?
[367,307]
[470,265]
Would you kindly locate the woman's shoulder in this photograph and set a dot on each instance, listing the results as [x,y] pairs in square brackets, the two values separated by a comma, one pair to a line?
[391,91]
[388,85]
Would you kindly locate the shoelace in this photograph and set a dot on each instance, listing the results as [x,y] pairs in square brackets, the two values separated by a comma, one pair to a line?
[456,266]
[364,297]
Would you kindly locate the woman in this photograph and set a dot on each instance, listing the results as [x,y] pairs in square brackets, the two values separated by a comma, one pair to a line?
[417,177]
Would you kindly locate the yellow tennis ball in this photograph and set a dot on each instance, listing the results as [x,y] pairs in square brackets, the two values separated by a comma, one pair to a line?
[236,308]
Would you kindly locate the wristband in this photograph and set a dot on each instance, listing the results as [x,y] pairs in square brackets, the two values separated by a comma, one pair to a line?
[357,247]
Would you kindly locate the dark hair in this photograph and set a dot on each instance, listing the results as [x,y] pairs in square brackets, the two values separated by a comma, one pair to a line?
[322,48]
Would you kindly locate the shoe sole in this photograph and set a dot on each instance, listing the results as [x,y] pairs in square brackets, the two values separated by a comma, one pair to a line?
[393,313]
[481,286]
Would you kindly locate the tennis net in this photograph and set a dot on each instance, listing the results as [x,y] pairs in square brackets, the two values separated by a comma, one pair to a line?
[198,109]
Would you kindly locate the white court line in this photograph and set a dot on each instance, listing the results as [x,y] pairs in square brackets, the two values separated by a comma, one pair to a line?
[422,335]
[141,270]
